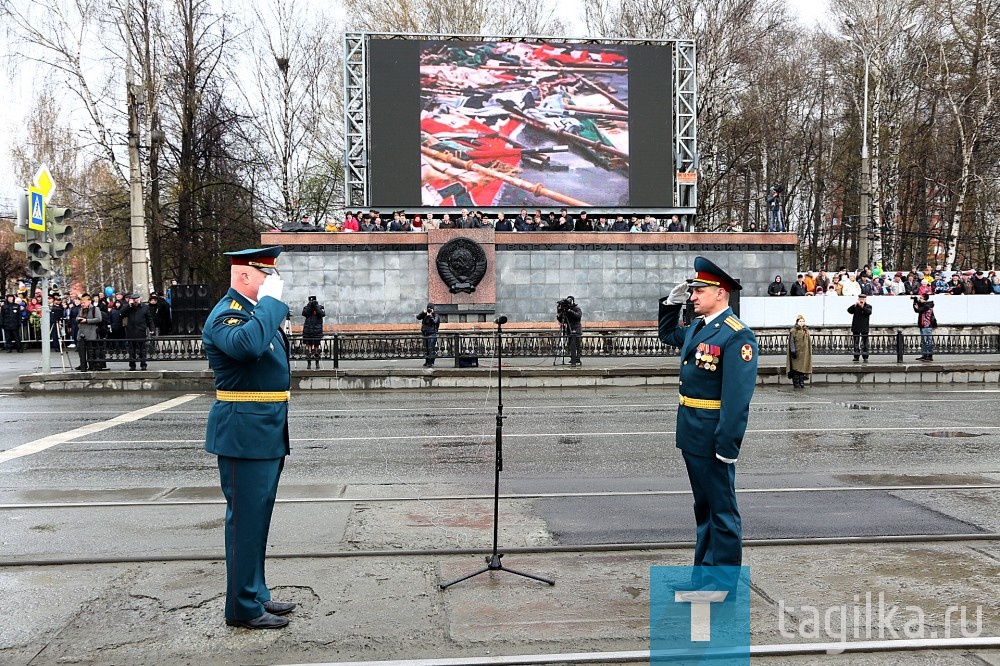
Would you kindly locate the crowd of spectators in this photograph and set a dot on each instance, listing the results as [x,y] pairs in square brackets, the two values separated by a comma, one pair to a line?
[523,221]
[64,311]
[876,282]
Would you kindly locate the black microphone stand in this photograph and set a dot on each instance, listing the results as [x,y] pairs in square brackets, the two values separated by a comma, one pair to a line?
[493,562]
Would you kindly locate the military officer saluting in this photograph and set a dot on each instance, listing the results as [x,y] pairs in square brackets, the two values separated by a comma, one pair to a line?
[717,379]
[248,426]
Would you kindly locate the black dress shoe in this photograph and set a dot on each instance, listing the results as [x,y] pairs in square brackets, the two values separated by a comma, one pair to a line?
[265,621]
[278,607]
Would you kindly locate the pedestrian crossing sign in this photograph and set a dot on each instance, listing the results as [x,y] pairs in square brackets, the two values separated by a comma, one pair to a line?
[36,220]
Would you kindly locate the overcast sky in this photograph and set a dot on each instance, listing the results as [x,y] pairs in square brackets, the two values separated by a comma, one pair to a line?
[19,95]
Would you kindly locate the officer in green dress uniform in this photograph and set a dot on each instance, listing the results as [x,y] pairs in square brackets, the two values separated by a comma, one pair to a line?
[248,426]
[717,379]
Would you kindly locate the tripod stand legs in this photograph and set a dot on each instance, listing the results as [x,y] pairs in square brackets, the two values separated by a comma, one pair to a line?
[493,563]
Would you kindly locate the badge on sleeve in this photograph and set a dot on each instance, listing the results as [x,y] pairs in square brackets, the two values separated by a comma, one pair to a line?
[233,321]
[746,351]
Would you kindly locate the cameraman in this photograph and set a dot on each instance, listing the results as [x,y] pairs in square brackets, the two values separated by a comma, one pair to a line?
[312,330]
[926,321]
[430,321]
[570,318]
[138,324]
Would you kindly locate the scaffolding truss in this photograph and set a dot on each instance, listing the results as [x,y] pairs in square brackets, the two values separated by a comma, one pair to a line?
[685,130]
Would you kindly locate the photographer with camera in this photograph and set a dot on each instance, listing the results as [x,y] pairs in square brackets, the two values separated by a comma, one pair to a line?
[138,322]
[312,330]
[861,313]
[926,322]
[430,321]
[570,319]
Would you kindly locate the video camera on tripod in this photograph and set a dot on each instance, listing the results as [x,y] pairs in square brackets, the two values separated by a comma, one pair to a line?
[563,306]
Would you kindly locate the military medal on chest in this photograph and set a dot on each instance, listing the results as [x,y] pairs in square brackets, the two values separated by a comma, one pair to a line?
[707,356]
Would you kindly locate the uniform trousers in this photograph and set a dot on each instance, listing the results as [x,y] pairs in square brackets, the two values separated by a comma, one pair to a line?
[250,487]
[717,516]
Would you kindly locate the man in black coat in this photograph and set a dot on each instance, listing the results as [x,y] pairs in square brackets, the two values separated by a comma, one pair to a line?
[10,321]
[862,312]
[981,285]
[161,314]
[138,325]
[799,287]
[312,330]
[570,316]
[430,321]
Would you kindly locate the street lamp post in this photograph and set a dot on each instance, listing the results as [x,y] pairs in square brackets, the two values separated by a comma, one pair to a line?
[864,233]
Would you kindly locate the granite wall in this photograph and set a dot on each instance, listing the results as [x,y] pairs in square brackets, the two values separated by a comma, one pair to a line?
[379,279]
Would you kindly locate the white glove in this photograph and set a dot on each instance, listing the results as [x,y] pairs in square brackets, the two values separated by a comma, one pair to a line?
[679,294]
[728,461]
[273,286]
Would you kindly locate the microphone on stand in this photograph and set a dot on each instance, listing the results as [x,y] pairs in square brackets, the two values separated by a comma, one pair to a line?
[501,320]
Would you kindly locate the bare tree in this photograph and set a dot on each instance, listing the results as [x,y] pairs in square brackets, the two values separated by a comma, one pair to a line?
[500,17]
[969,56]
[292,54]
[733,38]
[66,40]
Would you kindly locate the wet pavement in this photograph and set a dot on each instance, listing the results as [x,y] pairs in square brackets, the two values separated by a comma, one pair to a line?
[388,494]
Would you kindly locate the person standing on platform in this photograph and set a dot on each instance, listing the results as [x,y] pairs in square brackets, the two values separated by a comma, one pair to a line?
[139,324]
[717,380]
[799,358]
[861,312]
[90,320]
[777,288]
[430,321]
[570,318]
[248,426]
[312,330]
[926,322]
[10,319]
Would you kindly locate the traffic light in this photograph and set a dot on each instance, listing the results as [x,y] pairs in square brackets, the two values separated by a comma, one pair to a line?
[39,261]
[34,245]
[60,232]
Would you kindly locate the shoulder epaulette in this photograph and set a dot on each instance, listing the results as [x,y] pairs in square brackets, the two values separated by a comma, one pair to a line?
[734,323]
[235,305]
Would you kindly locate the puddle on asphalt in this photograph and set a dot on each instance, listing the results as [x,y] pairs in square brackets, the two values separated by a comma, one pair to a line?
[450,444]
[913,479]
[953,433]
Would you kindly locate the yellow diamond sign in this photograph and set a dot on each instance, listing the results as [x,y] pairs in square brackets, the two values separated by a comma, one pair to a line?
[44,182]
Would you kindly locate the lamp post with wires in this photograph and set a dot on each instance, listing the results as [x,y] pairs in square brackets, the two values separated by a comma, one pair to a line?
[866,233]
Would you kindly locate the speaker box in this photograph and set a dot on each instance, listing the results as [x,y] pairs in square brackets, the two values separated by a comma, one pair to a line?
[192,297]
[188,322]
[468,361]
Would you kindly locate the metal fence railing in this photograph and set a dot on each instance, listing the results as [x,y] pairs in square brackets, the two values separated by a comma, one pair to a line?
[335,349]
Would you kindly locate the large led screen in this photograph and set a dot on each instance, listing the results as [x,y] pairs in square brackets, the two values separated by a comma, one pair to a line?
[516,124]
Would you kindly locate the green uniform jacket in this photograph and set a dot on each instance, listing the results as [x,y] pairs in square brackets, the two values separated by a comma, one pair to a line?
[248,352]
[731,378]
[803,361]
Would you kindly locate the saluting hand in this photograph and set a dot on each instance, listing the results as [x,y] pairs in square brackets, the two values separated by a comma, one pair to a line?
[273,286]
[679,294]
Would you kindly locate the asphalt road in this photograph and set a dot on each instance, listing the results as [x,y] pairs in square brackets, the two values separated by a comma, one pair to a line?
[420,445]
[403,471]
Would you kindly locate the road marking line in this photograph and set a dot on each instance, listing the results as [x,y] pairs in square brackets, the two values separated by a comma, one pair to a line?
[504,496]
[580,435]
[631,656]
[90,429]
